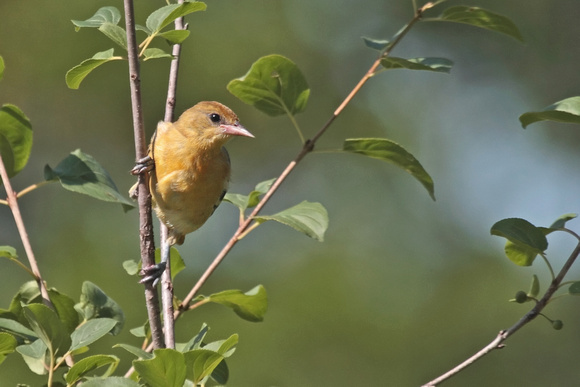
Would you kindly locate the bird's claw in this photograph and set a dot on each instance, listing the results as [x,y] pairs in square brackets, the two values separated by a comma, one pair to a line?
[152,273]
[146,164]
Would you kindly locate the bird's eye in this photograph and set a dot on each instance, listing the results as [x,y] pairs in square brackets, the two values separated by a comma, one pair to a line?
[215,118]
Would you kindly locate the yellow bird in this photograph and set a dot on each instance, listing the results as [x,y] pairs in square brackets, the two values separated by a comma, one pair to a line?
[192,167]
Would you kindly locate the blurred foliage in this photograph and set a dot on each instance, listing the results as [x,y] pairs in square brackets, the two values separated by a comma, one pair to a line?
[403,287]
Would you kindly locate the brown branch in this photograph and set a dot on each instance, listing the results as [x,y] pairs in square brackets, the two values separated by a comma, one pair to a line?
[147,243]
[12,199]
[167,290]
[307,148]
[502,336]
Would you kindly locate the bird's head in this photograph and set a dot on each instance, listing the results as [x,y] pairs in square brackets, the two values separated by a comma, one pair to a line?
[211,123]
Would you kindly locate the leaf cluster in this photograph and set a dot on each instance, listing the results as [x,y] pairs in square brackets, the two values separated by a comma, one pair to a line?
[525,242]
[106,20]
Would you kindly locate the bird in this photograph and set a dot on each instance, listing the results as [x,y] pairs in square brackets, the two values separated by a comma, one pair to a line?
[191,167]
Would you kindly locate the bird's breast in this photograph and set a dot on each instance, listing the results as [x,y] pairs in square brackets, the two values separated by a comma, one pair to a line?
[188,186]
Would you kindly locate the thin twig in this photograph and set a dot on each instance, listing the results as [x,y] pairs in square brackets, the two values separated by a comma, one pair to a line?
[502,336]
[307,148]
[167,290]
[147,243]
[12,199]
[32,188]
[166,283]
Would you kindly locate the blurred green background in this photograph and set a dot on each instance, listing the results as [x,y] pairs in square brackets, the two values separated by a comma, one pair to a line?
[403,288]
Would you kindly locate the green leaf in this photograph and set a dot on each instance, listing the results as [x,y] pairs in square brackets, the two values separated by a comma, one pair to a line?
[91,331]
[224,347]
[244,202]
[221,373]
[48,327]
[522,232]
[375,44]
[139,27]
[80,172]
[561,221]
[196,341]
[2,67]
[140,332]
[440,65]
[534,287]
[574,288]
[156,53]
[519,254]
[250,306]
[7,345]
[203,362]
[391,152]
[238,200]
[115,33]
[8,252]
[113,381]
[482,18]
[567,111]
[177,263]
[65,309]
[15,138]
[77,74]
[274,85]
[103,15]
[524,240]
[89,364]
[306,217]
[131,266]
[167,14]
[17,329]
[175,36]
[166,369]
[94,304]
[36,356]
[138,352]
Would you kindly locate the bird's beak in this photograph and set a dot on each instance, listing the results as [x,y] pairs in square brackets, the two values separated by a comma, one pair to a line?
[236,130]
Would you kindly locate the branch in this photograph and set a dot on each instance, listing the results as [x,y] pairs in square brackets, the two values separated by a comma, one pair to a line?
[166,284]
[307,148]
[12,199]
[502,336]
[147,243]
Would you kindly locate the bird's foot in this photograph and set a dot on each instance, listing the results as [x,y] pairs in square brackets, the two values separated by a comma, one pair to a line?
[152,273]
[146,164]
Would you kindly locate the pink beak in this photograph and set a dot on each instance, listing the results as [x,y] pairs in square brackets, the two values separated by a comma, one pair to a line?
[236,130]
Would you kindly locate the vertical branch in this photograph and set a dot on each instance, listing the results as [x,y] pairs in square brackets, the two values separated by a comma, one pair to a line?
[12,199]
[147,243]
[166,283]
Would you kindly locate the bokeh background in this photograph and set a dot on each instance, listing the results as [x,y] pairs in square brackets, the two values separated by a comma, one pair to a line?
[403,288]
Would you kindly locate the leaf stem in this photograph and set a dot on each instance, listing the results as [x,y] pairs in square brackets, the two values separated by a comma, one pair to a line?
[198,304]
[23,266]
[32,188]
[147,243]
[504,334]
[549,265]
[571,233]
[248,230]
[296,126]
[567,283]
